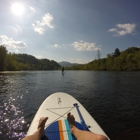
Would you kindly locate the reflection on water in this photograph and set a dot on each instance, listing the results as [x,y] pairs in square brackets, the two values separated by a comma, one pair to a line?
[11,115]
[11,118]
[112,98]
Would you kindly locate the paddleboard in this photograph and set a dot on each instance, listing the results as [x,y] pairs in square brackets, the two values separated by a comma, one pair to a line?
[56,107]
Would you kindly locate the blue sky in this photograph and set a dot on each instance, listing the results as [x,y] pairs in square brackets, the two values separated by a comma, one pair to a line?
[69,30]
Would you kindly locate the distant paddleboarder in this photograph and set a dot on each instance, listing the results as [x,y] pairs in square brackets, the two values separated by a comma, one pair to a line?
[62,70]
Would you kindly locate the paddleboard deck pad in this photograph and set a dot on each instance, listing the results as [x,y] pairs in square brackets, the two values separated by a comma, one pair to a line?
[56,107]
[60,130]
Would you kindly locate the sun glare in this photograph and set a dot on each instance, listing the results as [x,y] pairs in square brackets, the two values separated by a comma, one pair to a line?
[17,9]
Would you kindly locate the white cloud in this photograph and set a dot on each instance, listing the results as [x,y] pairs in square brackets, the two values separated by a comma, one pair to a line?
[32,9]
[41,26]
[10,43]
[123,29]
[112,30]
[39,30]
[56,46]
[85,46]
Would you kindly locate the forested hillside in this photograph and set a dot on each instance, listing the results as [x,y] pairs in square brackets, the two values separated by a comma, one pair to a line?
[128,60]
[14,62]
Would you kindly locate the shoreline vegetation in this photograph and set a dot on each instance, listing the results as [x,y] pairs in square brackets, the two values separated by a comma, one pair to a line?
[127,60]
[18,62]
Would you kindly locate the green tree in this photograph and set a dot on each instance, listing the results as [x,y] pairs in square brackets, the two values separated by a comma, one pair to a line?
[117,52]
[132,50]
[3,54]
[11,63]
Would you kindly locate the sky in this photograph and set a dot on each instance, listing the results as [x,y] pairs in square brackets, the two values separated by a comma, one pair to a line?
[69,30]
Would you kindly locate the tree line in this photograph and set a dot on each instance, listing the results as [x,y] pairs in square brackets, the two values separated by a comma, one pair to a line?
[17,62]
[128,60]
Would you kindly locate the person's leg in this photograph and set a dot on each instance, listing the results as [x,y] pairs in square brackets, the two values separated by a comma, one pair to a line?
[40,132]
[80,134]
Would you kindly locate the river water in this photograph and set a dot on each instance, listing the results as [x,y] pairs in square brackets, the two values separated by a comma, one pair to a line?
[112,98]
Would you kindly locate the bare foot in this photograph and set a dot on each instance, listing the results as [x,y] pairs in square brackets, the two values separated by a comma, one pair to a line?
[71,121]
[41,125]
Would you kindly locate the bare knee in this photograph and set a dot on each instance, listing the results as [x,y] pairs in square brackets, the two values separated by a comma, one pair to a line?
[102,137]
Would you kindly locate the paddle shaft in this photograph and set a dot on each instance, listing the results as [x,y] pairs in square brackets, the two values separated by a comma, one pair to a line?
[80,116]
